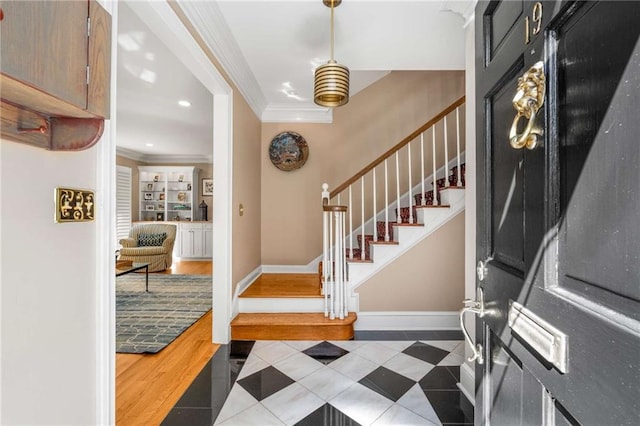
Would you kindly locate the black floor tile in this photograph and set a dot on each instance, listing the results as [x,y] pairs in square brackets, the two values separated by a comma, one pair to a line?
[434,335]
[325,352]
[380,335]
[451,407]
[189,416]
[198,394]
[425,352]
[265,383]
[455,370]
[387,383]
[240,348]
[439,378]
[327,415]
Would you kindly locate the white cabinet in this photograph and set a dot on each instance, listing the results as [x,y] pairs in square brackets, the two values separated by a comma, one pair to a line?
[167,193]
[196,240]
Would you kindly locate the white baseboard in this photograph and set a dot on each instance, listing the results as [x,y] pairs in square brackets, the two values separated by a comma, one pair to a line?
[467,382]
[309,268]
[243,284]
[408,321]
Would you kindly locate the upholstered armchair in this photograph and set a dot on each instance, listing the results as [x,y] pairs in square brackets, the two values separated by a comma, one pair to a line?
[150,243]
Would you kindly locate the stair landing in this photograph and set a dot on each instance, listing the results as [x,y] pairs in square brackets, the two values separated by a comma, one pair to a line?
[290,326]
[300,314]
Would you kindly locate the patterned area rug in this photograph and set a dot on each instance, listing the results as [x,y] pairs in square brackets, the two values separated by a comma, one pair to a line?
[147,322]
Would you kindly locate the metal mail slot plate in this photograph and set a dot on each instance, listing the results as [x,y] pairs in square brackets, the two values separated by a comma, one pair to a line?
[548,341]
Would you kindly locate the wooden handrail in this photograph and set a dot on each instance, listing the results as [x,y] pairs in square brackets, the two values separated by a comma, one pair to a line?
[398,146]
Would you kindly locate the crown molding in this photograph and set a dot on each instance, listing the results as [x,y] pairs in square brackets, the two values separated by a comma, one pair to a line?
[464,8]
[208,20]
[163,158]
[303,113]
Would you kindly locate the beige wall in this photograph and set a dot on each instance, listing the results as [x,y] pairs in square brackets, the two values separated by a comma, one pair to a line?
[374,120]
[429,277]
[246,190]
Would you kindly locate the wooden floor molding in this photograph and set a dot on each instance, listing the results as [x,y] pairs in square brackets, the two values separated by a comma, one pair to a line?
[291,326]
[149,385]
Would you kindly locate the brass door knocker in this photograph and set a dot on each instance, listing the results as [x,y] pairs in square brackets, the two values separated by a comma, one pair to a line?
[527,102]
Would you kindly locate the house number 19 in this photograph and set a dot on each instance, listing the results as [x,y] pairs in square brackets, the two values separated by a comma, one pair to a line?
[536,17]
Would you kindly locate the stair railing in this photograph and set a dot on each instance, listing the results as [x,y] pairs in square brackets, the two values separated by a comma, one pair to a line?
[334,262]
[438,129]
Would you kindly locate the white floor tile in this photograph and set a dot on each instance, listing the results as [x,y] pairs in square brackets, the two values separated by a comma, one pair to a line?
[350,345]
[293,403]
[326,383]
[301,345]
[375,352]
[452,359]
[398,415]
[399,345]
[459,349]
[353,366]
[274,352]
[416,401]
[409,366]
[298,366]
[237,401]
[257,415]
[361,404]
[253,364]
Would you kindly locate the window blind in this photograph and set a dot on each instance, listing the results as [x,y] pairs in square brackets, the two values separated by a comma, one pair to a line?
[123,201]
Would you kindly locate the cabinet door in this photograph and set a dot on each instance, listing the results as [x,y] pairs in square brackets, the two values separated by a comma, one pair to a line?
[186,242]
[45,44]
[207,242]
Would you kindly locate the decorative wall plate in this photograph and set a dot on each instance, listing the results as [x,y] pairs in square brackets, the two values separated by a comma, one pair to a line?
[288,151]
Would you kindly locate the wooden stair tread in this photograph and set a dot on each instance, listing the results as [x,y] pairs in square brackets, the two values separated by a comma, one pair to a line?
[291,319]
[407,224]
[392,243]
[441,206]
[284,285]
[291,326]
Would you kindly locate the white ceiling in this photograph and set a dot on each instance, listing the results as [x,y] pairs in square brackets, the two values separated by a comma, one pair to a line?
[270,49]
[150,82]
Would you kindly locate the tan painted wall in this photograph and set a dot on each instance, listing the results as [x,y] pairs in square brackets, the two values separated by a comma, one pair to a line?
[429,277]
[374,120]
[246,190]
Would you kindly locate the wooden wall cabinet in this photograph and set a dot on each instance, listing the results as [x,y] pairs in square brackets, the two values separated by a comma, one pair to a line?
[56,72]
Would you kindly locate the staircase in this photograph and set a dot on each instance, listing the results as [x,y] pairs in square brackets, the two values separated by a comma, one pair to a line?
[324,306]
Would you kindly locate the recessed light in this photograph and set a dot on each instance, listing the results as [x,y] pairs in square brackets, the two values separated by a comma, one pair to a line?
[184,103]
[148,144]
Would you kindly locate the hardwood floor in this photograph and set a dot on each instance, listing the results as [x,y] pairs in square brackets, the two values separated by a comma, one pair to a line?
[149,385]
[284,285]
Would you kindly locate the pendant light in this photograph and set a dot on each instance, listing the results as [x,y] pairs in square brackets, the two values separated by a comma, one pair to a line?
[331,80]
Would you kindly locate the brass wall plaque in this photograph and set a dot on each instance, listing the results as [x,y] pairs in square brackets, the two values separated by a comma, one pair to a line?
[74,205]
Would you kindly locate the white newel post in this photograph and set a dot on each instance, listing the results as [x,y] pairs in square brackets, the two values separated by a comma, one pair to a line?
[386,202]
[334,267]
[350,225]
[375,223]
[410,184]
[433,156]
[446,154]
[398,219]
[423,177]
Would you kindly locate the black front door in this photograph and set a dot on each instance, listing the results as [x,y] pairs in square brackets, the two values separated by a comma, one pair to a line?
[558,212]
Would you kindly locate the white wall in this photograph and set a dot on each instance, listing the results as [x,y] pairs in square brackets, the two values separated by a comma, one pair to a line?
[48,288]
[467,370]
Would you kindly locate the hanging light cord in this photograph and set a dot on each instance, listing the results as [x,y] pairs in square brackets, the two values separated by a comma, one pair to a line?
[332,30]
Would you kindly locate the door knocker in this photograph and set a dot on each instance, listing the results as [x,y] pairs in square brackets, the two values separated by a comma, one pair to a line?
[527,102]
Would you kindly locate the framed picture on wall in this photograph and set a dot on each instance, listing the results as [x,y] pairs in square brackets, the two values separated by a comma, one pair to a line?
[149,207]
[149,187]
[148,196]
[207,186]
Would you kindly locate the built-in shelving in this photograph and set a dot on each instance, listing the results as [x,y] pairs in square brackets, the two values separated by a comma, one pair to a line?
[167,193]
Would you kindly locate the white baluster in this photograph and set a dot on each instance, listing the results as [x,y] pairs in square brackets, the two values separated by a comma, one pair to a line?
[350,225]
[398,220]
[375,223]
[410,184]
[386,202]
[446,154]
[423,177]
[338,221]
[364,243]
[433,148]
[344,274]
[325,261]
[458,145]
[331,254]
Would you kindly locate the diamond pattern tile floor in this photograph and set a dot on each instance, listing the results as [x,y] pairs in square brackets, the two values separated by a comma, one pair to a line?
[361,382]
